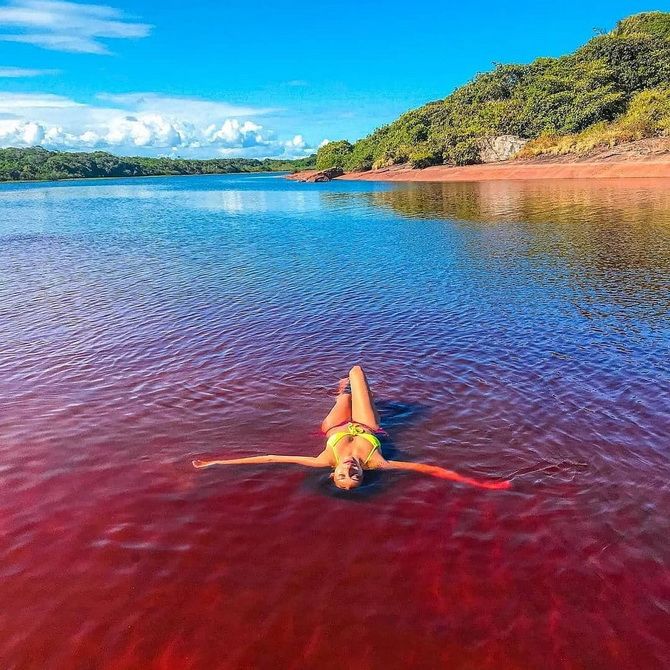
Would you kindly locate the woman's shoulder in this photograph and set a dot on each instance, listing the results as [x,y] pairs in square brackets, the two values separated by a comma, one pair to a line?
[326,457]
[376,462]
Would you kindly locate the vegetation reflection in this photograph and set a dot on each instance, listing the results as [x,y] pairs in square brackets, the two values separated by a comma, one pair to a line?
[612,237]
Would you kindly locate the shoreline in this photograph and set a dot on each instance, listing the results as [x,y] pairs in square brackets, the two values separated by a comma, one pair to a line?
[279,173]
[509,171]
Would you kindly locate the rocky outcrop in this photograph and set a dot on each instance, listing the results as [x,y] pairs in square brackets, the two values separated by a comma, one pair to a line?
[500,148]
[316,175]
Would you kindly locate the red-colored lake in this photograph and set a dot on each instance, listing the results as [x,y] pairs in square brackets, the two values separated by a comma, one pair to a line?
[513,329]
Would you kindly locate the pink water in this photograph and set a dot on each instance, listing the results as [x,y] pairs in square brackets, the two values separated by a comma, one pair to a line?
[509,330]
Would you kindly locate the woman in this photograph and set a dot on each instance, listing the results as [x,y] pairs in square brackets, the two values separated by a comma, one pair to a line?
[352,445]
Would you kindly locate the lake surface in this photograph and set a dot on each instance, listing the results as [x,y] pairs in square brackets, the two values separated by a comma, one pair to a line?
[509,330]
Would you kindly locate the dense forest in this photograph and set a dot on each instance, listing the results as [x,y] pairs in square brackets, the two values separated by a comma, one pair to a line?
[38,163]
[614,89]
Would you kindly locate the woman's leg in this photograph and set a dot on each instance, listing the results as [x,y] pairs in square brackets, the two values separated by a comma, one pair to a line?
[341,412]
[362,403]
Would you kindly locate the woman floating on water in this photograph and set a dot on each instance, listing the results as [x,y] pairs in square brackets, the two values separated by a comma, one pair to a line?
[352,445]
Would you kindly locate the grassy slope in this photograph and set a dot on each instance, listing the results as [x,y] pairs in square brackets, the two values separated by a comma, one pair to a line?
[613,89]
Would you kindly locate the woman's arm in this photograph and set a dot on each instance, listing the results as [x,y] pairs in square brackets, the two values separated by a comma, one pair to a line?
[442,473]
[308,461]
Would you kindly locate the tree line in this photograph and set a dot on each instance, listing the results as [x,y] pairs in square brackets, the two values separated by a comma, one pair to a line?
[37,163]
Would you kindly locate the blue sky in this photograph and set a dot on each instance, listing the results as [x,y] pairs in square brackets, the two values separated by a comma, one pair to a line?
[233,78]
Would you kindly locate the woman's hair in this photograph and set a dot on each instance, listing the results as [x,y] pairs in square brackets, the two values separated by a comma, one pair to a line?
[355,486]
[370,486]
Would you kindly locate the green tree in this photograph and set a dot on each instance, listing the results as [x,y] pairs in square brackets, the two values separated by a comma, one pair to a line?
[333,154]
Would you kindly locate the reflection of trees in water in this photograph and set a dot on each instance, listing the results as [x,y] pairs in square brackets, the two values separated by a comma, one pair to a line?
[528,201]
[611,237]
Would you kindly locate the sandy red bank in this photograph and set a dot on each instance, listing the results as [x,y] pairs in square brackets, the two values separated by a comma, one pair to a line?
[513,170]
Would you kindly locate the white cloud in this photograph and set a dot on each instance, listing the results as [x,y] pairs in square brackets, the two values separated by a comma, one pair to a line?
[298,142]
[16,72]
[20,133]
[67,26]
[323,143]
[147,123]
[174,104]
[233,134]
[150,130]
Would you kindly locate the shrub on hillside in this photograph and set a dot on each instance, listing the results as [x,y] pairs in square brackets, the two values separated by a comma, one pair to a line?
[333,154]
[651,23]
[361,157]
[636,61]
[424,156]
[648,115]
[465,152]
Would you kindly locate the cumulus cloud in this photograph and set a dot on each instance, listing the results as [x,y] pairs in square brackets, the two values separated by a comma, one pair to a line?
[297,143]
[233,134]
[67,26]
[147,123]
[20,133]
[149,130]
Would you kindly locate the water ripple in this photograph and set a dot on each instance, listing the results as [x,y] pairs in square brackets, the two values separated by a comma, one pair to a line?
[510,330]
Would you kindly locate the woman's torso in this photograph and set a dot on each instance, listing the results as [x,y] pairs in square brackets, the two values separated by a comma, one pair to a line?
[362,448]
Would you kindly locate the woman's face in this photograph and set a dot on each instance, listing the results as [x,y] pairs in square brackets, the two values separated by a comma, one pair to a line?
[348,473]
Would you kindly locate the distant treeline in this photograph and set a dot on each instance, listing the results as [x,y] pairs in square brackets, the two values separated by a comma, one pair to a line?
[613,89]
[40,164]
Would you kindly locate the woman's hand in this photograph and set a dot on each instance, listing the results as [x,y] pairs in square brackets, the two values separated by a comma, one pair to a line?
[198,463]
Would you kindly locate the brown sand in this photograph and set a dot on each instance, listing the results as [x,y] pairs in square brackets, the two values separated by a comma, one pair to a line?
[513,170]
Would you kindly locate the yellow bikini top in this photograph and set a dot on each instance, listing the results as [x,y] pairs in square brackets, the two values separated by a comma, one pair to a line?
[353,429]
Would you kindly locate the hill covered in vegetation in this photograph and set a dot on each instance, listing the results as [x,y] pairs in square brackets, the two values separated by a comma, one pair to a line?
[614,89]
[39,164]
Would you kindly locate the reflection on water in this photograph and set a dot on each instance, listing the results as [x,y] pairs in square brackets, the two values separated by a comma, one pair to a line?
[609,239]
[509,330]
[535,201]
[247,202]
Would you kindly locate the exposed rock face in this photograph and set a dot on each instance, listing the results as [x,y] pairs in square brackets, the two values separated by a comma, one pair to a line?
[317,176]
[327,175]
[500,148]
